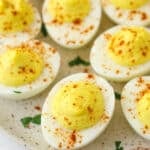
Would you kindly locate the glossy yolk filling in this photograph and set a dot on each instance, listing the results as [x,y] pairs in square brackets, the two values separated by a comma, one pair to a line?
[69,10]
[78,105]
[129,4]
[19,66]
[130,46]
[143,109]
[15,15]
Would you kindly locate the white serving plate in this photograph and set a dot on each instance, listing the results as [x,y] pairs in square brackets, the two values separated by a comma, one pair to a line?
[31,138]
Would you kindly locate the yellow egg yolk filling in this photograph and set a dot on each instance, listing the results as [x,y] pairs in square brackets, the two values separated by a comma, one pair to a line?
[78,105]
[69,10]
[15,16]
[19,66]
[129,4]
[130,46]
[143,109]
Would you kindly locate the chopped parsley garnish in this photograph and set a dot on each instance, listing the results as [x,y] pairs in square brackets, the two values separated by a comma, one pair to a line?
[36,119]
[78,61]
[27,120]
[43,30]
[118,145]
[117,96]
[18,92]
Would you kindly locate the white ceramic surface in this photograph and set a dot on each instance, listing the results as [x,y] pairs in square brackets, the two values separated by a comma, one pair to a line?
[8,143]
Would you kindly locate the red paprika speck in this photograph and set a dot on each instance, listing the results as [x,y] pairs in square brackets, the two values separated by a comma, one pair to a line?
[90,76]
[75,86]
[60,145]
[77,22]
[73,136]
[90,110]
[143,16]
[37,108]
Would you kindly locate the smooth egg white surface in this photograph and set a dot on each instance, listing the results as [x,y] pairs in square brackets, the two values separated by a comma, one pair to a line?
[140,16]
[55,134]
[51,66]
[104,66]
[22,36]
[130,93]
[72,35]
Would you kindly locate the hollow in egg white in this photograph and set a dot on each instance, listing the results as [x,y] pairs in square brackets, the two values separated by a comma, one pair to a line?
[27,68]
[130,15]
[135,104]
[108,49]
[72,95]
[76,24]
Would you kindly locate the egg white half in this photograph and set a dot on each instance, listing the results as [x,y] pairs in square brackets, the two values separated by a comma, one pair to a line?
[104,66]
[51,67]
[140,16]
[128,102]
[71,35]
[22,36]
[83,137]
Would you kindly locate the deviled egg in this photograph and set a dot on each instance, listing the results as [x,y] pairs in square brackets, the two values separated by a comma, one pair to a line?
[135,103]
[122,52]
[20,21]
[77,110]
[128,12]
[72,23]
[27,68]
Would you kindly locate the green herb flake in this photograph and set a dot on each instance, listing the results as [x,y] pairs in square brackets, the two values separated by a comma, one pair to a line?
[18,92]
[26,121]
[78,61]
[36,119]
[43,30]
[118,145]
[117,96]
